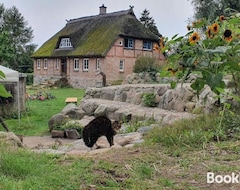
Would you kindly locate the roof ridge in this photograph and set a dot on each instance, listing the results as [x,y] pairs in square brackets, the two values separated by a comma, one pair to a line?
[129,11]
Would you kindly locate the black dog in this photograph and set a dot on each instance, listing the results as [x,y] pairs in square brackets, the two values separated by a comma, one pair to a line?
[100,126]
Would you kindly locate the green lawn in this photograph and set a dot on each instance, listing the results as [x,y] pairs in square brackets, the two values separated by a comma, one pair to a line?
[34,121]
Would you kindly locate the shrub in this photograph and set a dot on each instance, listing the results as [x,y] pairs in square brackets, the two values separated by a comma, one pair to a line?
[149,99]
[146,64]
[72,125]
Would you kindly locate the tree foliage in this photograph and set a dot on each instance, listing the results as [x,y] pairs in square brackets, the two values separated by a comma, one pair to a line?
[149,22]
[210,9]
[18,36]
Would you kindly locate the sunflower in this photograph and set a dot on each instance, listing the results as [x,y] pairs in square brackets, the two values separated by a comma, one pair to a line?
[156,47]
[227,35]
[221,18]
[209,33]
[162,43]
[195,37]
[173,71]
[215,28]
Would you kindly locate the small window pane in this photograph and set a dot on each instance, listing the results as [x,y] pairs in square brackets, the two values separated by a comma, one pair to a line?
[76,65]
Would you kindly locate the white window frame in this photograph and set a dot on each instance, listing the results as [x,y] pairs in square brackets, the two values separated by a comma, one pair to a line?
[98,64]
[129,43]
[85,64]
[147,45]
[57,64]
[76,64]
[121,65]
[65,43]
[45,63]
[38,63]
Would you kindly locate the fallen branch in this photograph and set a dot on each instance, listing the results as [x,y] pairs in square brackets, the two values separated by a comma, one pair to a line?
[3,124]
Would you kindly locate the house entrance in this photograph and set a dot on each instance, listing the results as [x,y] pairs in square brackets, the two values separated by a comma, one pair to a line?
[63,67]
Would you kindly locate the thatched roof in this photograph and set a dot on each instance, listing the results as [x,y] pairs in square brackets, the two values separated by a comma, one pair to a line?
[93,36]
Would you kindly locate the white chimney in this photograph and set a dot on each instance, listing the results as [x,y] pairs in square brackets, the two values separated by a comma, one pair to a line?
[102,10]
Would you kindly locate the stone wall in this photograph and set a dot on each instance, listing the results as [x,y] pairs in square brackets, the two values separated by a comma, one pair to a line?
[181,99]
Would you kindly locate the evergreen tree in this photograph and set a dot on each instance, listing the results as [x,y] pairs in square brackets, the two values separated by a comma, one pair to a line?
[19,38]
[149,22]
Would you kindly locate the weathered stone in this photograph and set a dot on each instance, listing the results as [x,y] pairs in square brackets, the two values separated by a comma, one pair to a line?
[57,120]
[11,140]
[89,107]
[74,113]
[57,134]
[190,106]
[162,89]
[179,106]
[100,111]
[137,100]
[123,97]
[72,134]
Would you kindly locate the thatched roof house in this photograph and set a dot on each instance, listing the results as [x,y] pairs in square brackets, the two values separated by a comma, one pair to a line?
[92,40]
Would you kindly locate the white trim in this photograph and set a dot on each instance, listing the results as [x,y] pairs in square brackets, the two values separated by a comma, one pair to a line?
[76,64]
[85,64]
[121,65]
[38,64]
[45,63]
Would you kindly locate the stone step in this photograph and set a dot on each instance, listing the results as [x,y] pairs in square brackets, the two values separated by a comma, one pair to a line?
[116,110]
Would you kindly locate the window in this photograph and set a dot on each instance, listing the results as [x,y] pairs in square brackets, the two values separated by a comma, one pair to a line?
[57,64]
[129,43]
[76,64]
[85,64]
[98,64]
[121,65]
[65,43]
[39,64]
[45,64]
[147,45]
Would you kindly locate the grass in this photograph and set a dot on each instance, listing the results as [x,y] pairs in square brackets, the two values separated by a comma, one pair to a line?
[176,157]
[34,121]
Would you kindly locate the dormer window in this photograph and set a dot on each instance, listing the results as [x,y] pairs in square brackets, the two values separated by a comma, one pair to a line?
[65,43]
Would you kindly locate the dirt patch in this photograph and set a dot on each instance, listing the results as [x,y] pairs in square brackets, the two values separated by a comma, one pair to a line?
[37,142]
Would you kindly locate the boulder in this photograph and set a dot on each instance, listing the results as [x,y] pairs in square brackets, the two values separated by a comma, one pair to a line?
[101,110]
[57,134]
[74,113]
[57,120]
[11,140]
[89,107]
[72,134]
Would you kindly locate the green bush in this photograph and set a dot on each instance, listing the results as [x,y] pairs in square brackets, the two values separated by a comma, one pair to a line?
[72,125]
[29,78]
[146,64]
[149,99]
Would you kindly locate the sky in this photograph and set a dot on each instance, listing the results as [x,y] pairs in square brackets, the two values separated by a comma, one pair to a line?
[47,17]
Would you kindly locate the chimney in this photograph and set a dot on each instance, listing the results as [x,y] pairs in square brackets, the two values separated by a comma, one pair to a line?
[102,10]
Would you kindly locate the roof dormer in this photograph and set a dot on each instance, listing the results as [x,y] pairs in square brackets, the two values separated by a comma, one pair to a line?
[65,42]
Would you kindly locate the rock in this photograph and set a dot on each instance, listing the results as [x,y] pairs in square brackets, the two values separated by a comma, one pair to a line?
[57,120]
[74,113]
[162,89]
[89,107]
[10,140]
[100,111]
[144,130]
[57,134]
[190,106]
[72,134]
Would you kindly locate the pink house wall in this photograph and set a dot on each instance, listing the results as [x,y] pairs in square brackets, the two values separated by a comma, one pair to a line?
[109,65]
